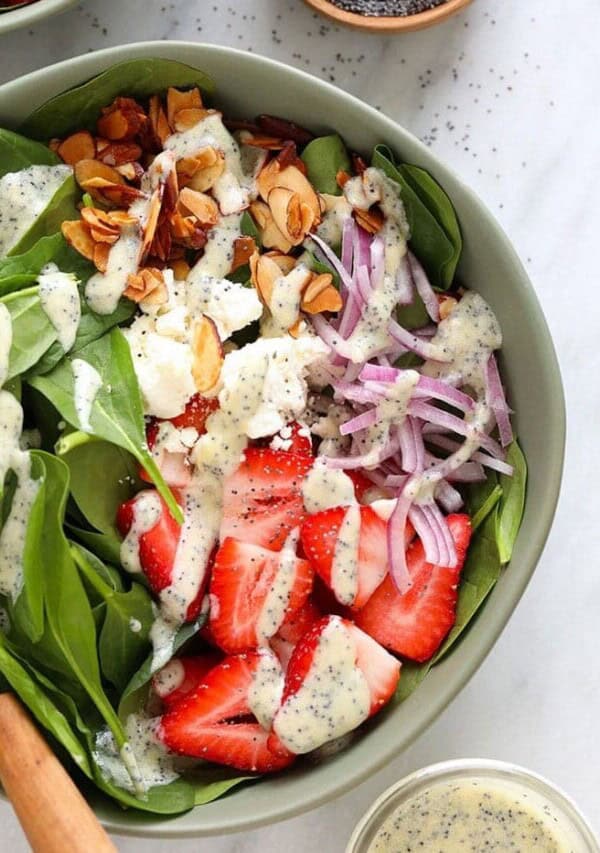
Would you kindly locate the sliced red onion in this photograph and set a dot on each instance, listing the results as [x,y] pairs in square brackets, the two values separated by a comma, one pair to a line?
[428,387]
[363,283]
[332,259]
[423,349]
[356,393]
[449,497]
[448,550]
[371,459]
[424,289]
[396,527]
[419,443]
[377,261]
[426,331]
[395,481]
[496,400]
[428,533]
[362,421]
[378,373]
[470,472]
[450,444]
[330,336]
[404,284]
[407,446]
[438,416]
[347,247]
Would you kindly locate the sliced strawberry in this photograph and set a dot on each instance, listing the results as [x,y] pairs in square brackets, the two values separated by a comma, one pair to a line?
[415,624]
[361,484]
[325,677]
[293,438]
[181,676]
[157,547]
[293,629]
[196,413]
[215,722]
[262,500]
[320,534]
[252,591]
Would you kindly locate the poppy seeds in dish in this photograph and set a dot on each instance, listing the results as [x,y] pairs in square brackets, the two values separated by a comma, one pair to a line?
[387,8]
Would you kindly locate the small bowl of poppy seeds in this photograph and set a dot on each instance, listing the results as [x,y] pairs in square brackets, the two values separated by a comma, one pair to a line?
[391,16]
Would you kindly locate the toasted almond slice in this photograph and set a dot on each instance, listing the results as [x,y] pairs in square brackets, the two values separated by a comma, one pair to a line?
[178,100]
[162,243]
[268,178]
[78,146]
[100,235]
[205,177]
[264,271]
[271,236]
[327,300]
[295,330]
[118,194]
[291,178]
[86,170]
[269,143]
[318,284]
[101,252]
[342,178]
[97,218]
[447,305]
[180,268]
[181,226]
[288,215]
[203,206]
[371,220]
[151,221]
[147,285]
[158,120]
[130,171]
[208,354]
[78,236]
[121,218]
[122,120]
[243,249]
[119,153]
[286,263]
[186,119]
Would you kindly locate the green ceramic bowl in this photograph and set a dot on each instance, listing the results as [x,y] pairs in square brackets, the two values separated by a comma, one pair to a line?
[32,14]
[248,85]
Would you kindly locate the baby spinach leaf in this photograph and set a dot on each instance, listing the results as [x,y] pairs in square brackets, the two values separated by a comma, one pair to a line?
[19,271]
[413,316]
[33,333]
[103,476]
[249,228]
[107,546]
[324,157]
[17,152]
[116,414]
[41,706]
[62,206]
[81,106]
[513,501]
[124,636]
[134,695]
[435,233]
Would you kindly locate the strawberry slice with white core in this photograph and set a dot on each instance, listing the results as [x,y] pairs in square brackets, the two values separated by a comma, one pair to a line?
[347,547]
[414,624]
[262,500]
[253,590]
[335,680]
[212,722]
[181,676]
[293,629]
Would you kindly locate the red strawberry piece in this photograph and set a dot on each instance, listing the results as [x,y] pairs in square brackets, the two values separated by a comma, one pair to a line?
[252,591]
[196,413]
[181,676]
[415,624]
[157,547]
[362,484]
[293,438]
[215,721]
[262,500]
[320,535]
[293,629]
[325,679]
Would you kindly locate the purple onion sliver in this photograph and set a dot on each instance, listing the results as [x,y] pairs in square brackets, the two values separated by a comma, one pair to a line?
[407,446]
[362,421]
[363,283]
[378,373]
[424,349]
[449,497]
[427,533]
[496,400]
[347,247]
[396,527]
[427,386]
[377,261]
[405,293]
[424,288]
[333,260]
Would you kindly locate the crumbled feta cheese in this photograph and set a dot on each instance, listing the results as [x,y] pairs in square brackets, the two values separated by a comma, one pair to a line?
[229,304]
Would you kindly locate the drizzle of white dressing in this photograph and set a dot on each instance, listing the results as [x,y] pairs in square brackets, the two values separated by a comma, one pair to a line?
[59,297]
[143,763]
[467,336]
[324,488]
[264,696]
[87,384]
[370,335]
[344,568]
[327,428]
[24,196]
[263,388]
[135,626]
[337,211]
[146,512]
[5,342]
[12,458]
[284,303]
[169,678]
[277,600]
[104,290]
[234,190]
[333,699]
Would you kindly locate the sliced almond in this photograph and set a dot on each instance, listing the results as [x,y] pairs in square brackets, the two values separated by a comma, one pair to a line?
[269,143]
[101,252]
[78,146]
[158,121]
[203,206]
[78,236]
[286,263]
[328,299]
[208,354]
[151,221]
[147,285]
[162,245]
[270,234]
[88,169]
[101,235]
[264,272]
[205,177]
[295,330]
[181,226]
[120,195]
[291,217]
[243,249]
[186,119]
[178,100]
[342,178]
[131,171]
[290,178]
[447,305]
[318,284]
[122,120]
[119,153]
[371,220]
[180,268]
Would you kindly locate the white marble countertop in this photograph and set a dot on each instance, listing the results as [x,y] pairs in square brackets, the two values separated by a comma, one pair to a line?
[506,94]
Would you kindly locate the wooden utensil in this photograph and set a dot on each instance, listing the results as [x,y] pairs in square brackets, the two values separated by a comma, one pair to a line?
[391,24]
[52,812]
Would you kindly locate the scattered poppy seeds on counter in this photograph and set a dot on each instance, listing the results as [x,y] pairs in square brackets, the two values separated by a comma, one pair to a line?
[387,8]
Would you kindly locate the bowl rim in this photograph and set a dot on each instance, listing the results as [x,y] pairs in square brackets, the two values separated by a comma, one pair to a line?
[16,18]
[77,70]
[389,23]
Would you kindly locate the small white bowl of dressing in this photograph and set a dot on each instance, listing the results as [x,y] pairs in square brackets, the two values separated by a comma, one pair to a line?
[473,805]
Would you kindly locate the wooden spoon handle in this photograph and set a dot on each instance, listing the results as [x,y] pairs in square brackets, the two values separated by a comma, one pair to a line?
[52,812]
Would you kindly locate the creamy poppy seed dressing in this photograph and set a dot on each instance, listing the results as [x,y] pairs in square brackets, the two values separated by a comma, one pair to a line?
[169,678]
[217,258]
[87,383]
[265,693]
[391,411]
[12,458]
[24,196]
[338,210]
[344,568]
[278,597]
[333,699]
[59,297]
[324,488]
[5,342]
[284,302]
[146,512]
[475,814]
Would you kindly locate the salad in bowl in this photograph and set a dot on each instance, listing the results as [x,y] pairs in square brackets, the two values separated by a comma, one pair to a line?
[258,470]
